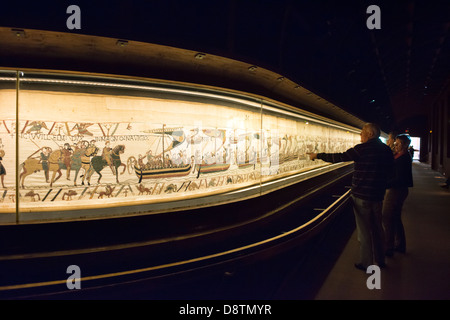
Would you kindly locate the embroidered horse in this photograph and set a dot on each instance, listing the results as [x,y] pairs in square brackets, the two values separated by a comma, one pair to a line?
[98,163]
[55,162]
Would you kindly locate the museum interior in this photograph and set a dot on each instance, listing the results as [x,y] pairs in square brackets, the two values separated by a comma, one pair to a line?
[162,150]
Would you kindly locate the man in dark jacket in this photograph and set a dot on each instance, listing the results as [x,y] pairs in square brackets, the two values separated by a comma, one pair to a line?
[373,161]
[396,195]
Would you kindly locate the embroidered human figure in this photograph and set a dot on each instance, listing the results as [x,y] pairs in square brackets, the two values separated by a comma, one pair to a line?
[106,155]
[2,168]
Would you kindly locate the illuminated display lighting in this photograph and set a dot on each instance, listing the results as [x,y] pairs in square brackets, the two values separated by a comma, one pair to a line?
[243,101]
[175,121]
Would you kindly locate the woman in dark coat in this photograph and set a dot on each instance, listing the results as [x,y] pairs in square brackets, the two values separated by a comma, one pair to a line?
[396,195]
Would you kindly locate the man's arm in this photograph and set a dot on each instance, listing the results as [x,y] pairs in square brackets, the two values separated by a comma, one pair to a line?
[349,155]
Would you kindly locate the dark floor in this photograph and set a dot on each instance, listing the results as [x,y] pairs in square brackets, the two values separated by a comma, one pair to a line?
[423,272]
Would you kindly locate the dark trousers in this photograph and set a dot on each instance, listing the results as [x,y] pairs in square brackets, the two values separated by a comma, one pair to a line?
[392,219]
[368,216]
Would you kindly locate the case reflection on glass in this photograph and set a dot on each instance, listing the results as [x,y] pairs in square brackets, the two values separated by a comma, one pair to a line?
[89,143]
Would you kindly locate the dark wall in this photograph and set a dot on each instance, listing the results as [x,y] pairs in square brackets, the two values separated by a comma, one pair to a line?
[439,135]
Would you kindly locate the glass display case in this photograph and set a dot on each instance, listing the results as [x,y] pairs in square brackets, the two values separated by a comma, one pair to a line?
[8,143]
[80,146]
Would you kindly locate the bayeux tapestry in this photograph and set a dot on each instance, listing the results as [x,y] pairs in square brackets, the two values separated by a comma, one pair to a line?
[79,149]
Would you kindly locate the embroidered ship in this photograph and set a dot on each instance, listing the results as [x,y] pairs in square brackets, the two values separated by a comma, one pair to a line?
[213,165]
[161,166]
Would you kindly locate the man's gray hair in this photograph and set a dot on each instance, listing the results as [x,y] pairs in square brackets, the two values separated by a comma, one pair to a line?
[372,129]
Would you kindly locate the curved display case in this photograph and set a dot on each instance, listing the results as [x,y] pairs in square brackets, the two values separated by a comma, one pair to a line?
[86,147]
